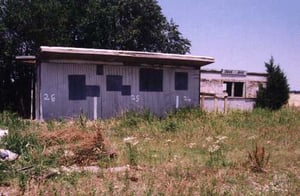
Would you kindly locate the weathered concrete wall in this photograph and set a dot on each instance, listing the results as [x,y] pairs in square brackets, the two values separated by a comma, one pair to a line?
[213,82]
[294,100]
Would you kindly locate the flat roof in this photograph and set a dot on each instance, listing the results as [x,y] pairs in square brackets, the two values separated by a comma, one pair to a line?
[248,73]
[26,59]
[69,53]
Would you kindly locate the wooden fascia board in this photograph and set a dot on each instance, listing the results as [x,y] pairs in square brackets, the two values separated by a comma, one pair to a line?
[123,56]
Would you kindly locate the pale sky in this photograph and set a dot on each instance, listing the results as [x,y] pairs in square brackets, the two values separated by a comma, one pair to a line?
[241,34]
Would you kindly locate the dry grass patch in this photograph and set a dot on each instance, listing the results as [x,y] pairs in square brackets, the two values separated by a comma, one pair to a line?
[82,147]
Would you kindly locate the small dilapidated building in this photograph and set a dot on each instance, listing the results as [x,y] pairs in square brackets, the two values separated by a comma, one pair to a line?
[104,83]
[294,99]
[232,89]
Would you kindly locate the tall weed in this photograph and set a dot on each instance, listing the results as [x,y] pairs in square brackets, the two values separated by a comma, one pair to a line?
[134,118]
[258,159]
[5,173]
[187,113]
[12,121]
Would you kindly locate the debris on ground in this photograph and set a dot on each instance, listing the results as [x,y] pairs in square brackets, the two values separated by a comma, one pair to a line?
[7,155]
[118,169]
[3,132]
[91,169]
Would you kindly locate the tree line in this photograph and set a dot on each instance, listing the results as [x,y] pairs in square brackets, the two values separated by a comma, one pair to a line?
[25,25]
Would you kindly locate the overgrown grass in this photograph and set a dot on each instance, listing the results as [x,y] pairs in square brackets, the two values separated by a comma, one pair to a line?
[22,140]
[12,121]
[188,152]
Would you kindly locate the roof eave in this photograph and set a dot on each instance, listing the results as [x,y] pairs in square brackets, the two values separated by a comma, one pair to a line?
[31,60]
[124,56]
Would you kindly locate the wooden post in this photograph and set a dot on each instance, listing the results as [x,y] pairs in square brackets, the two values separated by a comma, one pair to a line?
[177,102]
[95,108]
[215,104]
[31,96]
[225,104]
[202,102]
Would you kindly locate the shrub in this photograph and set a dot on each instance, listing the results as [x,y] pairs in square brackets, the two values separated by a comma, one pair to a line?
[276,93]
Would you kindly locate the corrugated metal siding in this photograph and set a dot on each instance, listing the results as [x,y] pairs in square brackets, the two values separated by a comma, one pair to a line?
[54,83]
[54,90]
[158,102]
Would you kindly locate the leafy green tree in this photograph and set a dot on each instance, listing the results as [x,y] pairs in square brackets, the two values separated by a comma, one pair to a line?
[109,24]
[276,92]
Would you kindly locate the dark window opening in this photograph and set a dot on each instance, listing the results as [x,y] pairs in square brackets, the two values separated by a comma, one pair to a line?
[126,90]
[77,87]
[151,80]
[234,89]
[92,91]
[113,83]
[238,89]
[181,81]
[99,69]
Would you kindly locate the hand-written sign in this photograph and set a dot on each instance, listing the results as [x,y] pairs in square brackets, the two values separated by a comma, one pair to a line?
[234,72]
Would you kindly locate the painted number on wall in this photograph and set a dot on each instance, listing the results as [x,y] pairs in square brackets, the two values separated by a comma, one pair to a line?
[187,99]
[49,97]
[135,98]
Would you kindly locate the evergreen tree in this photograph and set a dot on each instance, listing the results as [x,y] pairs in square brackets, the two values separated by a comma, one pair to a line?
[276,92]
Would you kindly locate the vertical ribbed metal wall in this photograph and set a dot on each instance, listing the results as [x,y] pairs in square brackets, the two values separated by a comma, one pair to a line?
[54,94]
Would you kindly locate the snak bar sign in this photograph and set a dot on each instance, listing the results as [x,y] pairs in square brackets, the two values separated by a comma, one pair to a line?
[227,72]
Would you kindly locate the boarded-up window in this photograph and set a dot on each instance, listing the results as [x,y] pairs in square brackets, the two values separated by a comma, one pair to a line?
[99,69]
[151,80]
[92,91]
[113,83]
[126,90]
[235,89]
[181,81]
[77,87]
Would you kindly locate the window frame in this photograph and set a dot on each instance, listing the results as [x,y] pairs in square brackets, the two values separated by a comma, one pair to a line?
[234,91]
